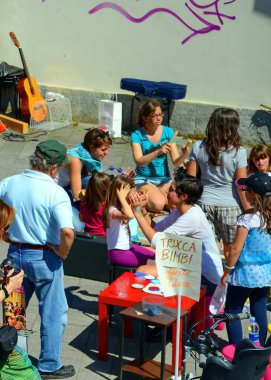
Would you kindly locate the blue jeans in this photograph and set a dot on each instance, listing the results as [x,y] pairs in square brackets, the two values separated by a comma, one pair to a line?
[236,298]
[44,276]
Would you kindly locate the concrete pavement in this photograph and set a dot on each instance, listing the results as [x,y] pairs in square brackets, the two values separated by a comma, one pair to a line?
[81,340]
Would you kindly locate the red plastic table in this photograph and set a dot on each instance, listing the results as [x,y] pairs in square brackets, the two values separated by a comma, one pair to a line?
[108,297]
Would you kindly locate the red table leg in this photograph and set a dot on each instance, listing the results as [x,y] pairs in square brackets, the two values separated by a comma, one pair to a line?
[102,331]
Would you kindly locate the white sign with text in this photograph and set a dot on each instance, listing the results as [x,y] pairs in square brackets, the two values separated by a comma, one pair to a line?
[178,261]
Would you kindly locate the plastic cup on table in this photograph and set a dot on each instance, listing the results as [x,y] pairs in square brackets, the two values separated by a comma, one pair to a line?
[121,287]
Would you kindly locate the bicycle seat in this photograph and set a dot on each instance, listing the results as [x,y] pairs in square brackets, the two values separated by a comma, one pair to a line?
[249,363]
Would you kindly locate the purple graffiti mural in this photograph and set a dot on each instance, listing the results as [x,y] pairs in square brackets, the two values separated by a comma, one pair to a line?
[192,6]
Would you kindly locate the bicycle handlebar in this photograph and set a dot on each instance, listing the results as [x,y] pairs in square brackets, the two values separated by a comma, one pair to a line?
[226,317]
[206,344]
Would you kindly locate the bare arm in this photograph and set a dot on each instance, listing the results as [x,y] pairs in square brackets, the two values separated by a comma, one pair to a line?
[75,176]
[242,173]
[146,228]
[127,212]
[193,168]
[235,251]
[66,240]
[141,160]
[176,158]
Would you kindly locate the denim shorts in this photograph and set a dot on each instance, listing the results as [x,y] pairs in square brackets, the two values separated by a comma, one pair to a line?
[140,181]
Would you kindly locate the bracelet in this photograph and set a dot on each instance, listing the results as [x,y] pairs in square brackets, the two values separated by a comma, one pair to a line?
[5,291]
[230,268]
[138,208]
[156,153]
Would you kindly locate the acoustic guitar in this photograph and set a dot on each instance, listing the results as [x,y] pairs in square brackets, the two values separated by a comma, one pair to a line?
[32,103]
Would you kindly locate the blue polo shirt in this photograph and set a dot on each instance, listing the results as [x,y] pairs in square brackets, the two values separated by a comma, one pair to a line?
[42,207]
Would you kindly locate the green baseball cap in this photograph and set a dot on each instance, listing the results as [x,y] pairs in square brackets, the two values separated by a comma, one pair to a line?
[52,152]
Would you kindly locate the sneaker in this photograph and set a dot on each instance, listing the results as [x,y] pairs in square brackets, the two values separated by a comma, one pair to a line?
[62,373]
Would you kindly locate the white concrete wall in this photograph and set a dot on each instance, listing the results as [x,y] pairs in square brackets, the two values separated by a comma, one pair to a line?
[66,47]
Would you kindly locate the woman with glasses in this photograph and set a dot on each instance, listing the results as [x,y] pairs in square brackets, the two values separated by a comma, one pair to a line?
[150,147]
[84,159]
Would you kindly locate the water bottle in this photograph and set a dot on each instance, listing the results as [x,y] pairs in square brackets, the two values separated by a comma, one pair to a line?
[253,329]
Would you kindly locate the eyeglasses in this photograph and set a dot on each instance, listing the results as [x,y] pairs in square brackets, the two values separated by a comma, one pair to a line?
[156,116]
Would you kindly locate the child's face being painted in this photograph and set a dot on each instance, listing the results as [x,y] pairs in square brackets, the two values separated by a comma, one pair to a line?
[261,164]
[100,152]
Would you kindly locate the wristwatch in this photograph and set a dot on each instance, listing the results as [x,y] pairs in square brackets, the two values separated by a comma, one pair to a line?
[138,208]
[5,291]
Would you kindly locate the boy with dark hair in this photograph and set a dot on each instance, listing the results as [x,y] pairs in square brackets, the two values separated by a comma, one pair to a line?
[186,219]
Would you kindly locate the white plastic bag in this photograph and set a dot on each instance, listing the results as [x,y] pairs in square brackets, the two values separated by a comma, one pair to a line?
[110,115]
[219,298]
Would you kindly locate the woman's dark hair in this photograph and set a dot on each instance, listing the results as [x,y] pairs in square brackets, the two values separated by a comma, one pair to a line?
[97,188]
[146,110]
[112,198]
[222,133]
[192,186]
[259,151]
[96,137]
[262,205]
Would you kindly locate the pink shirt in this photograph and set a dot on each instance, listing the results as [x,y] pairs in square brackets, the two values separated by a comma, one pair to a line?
[93,219]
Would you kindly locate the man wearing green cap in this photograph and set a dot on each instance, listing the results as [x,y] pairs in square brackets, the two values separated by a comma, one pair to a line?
[40,238]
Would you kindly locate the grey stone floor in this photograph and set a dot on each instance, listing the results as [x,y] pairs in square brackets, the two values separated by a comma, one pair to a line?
[80,340]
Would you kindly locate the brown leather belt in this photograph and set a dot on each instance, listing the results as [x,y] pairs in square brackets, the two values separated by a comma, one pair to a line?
[29,246]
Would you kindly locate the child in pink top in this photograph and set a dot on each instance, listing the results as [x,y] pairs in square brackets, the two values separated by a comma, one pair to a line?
[91,208]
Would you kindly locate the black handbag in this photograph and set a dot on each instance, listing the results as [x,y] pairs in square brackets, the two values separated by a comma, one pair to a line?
[8,341]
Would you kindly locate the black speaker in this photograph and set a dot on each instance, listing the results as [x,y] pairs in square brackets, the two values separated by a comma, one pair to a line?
[88,258]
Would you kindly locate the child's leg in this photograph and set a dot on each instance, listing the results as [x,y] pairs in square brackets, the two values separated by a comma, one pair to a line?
[258,302]
[142,253]
[236,298]
[133,257]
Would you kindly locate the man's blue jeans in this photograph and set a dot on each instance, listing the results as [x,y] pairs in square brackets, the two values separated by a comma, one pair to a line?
[45,277]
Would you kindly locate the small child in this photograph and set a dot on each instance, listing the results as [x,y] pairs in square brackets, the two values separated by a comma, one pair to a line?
[117,213]
[259,160]
[91,208]
[248,266]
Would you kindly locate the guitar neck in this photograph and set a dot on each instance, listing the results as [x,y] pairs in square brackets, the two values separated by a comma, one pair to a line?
[26,70]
